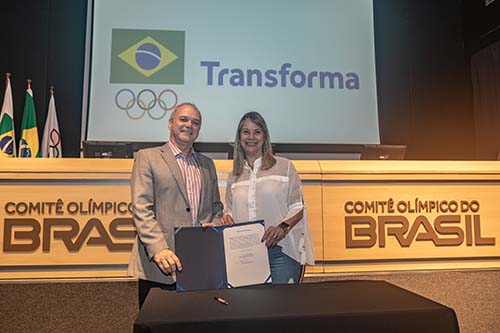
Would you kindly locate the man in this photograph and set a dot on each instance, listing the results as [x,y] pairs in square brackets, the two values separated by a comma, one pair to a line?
[172,186]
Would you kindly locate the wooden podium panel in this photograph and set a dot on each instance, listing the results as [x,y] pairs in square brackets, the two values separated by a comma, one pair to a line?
[65,218]
[403,215]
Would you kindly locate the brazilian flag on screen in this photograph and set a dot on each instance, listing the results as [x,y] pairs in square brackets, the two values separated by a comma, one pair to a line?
[28,146]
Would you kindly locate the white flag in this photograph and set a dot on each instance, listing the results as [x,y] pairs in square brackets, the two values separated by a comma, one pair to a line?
[51,142]
[7,136]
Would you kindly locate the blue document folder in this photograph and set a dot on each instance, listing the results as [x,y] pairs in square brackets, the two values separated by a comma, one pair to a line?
[205,261]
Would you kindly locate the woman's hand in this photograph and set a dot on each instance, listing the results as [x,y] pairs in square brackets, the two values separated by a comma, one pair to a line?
[273,236]
[226,219]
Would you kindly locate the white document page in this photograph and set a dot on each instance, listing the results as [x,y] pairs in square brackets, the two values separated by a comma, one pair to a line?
[247,262]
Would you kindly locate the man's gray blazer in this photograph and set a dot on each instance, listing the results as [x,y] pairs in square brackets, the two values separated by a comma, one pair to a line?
[160,203]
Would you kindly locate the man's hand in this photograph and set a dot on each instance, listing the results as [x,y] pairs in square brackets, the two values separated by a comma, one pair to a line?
[224,220]
[167,261]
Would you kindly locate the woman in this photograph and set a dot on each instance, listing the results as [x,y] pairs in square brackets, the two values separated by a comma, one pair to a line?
[266,187]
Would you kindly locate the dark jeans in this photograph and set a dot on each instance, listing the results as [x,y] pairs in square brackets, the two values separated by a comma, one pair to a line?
[145,286]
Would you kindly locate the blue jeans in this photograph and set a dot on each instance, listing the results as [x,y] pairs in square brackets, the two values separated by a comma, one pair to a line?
[283,268]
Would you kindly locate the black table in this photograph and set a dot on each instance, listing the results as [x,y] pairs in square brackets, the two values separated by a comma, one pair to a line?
[337,306]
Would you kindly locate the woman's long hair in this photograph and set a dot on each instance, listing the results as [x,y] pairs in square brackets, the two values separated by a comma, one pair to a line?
[239,158]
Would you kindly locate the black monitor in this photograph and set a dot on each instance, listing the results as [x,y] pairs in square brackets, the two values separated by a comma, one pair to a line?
[107,149]
[383,152]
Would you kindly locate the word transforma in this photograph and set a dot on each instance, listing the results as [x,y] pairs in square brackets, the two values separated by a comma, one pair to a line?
[282,77]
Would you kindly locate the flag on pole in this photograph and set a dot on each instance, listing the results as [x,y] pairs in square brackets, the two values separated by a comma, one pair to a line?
[28,146]
[51,142]
[7,137]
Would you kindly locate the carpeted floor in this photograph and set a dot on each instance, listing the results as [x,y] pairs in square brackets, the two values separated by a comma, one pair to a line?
[68,307]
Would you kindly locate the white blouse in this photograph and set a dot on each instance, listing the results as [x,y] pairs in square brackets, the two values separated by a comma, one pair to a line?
[273,195]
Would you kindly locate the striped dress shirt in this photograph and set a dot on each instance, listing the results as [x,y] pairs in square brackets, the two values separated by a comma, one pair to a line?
[191,173]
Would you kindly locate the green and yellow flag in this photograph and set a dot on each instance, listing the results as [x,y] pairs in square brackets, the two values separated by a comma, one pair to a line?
[7,137]
[28,145]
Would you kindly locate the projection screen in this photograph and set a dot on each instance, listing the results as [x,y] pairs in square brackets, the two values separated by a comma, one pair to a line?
[308,66]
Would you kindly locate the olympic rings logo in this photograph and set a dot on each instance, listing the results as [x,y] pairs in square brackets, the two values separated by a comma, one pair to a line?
[55,143]
[146,100]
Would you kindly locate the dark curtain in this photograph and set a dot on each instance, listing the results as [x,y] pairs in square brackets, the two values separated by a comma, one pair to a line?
[485,66]
[44,40]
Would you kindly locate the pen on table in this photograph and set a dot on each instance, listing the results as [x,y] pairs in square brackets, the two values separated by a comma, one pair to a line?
[221,300]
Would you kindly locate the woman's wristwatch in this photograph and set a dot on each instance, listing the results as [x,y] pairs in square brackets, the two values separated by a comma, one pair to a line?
[285,226]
